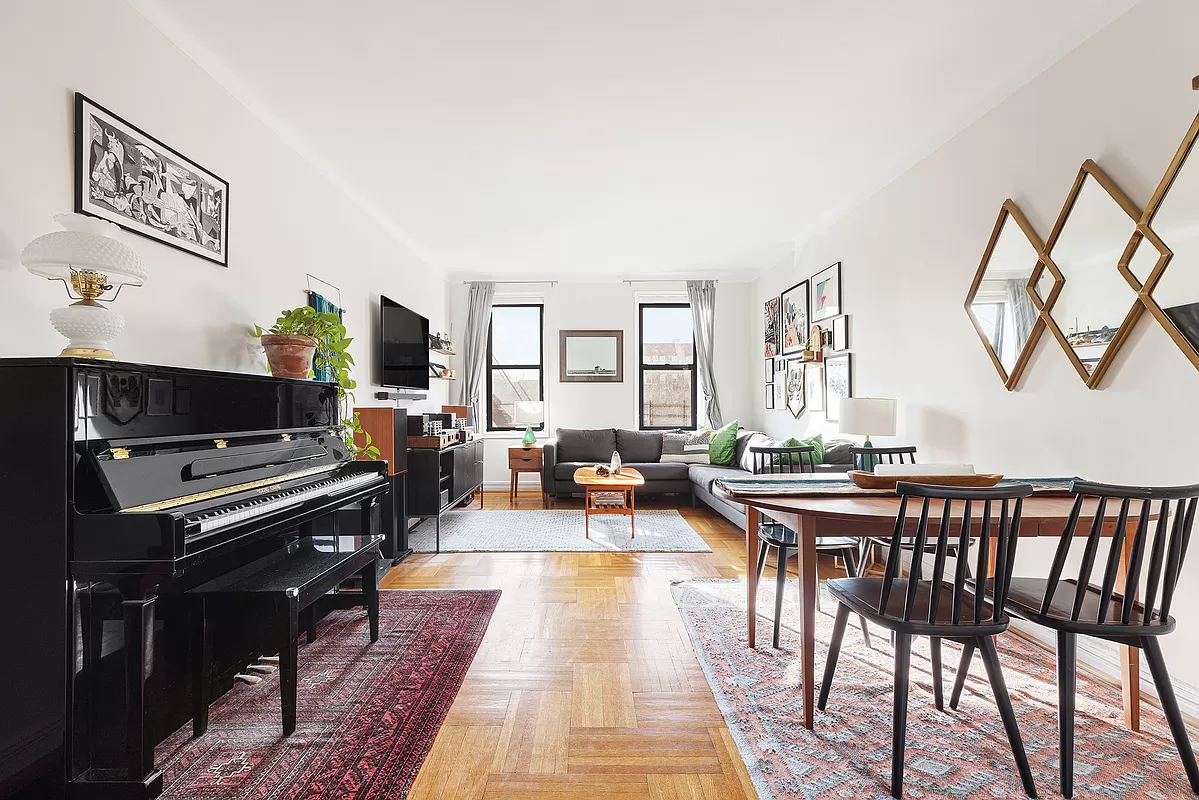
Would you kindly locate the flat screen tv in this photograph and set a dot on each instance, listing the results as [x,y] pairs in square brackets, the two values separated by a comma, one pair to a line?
[405,346]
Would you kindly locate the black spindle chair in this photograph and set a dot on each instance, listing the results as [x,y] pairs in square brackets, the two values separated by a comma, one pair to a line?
[776,460]
[1109,611]
[941,607]
[892,455]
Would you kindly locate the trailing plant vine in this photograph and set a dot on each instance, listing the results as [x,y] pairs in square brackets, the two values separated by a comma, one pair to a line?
[333,358]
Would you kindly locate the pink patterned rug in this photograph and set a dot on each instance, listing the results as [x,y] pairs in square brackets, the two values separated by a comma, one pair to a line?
[951,754]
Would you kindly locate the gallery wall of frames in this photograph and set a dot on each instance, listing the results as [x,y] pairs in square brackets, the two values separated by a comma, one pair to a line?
[808,366]
[1104,264]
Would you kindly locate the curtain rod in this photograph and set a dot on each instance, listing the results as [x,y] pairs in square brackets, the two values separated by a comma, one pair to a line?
[665,280]
[510,283]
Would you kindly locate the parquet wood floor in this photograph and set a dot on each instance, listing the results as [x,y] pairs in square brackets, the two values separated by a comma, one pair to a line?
[586,684]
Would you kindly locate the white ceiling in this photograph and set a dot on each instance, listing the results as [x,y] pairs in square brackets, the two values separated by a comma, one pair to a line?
[559,138]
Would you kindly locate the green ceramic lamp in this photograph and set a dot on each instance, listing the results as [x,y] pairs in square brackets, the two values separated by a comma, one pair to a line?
[868,416]
[529,413]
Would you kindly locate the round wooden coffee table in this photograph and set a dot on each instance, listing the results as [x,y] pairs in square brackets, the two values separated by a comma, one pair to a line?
[596,486]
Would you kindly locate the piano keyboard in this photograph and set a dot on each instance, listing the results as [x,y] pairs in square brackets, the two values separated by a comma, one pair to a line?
[269,504]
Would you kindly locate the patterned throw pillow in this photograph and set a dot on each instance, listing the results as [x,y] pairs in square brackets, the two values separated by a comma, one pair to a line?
[686,448]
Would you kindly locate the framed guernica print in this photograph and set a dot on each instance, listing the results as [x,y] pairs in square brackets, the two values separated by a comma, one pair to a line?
[126,176]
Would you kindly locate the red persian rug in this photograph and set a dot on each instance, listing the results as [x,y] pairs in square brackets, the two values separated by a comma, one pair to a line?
[367,714]
[951,754]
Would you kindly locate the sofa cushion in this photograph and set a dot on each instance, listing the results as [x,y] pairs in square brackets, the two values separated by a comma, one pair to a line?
[565,470]
[643,447]
[743,437]
[591,446]
[686,448]
[702,475]
[755,439]
[721,444]
[836,451]
[659,470]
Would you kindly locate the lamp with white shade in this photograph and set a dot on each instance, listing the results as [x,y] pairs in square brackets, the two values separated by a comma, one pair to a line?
[529,413]
[868,416]
[89,258]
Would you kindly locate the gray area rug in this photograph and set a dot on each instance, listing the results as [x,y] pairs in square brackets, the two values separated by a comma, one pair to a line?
[558,530]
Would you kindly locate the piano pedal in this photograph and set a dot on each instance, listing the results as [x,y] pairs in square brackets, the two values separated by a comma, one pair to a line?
[269,660]
[265,669]
[250,679]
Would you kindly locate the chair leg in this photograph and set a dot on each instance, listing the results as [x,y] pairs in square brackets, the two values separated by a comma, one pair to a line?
[834,650]
[1006,712]
[934,647]
[370,598]
[1067,685]
[1165,693]
[765,551]
[959,680]
[851,569]
[780,587]
[899,720]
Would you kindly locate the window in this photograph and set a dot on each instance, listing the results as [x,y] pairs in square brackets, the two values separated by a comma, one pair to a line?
[666,366]
[515,368]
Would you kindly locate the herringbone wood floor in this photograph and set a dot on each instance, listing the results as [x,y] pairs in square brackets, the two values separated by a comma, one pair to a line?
[586,684]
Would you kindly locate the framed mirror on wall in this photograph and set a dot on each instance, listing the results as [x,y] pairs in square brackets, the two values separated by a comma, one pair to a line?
[1096,247]
[1171,290]
[1000,303]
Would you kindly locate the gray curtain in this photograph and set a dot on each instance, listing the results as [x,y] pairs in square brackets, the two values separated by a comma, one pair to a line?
[474,346]
[702,295]
[1024,313]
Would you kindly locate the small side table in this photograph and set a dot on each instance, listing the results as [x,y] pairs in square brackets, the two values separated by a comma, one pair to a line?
[524,459]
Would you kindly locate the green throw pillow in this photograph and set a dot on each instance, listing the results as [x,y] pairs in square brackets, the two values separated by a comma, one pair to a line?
[723,446]
[816,441]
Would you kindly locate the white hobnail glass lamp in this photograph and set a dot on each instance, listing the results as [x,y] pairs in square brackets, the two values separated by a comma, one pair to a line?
[868,416]
[89,258]
[529,413]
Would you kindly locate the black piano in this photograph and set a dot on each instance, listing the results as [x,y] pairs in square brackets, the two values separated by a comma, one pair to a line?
[122,486]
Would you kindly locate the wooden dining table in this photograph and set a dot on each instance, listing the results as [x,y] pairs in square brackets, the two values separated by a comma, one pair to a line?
[874,515]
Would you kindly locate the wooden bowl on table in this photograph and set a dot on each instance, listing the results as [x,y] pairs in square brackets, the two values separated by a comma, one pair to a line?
[868,480]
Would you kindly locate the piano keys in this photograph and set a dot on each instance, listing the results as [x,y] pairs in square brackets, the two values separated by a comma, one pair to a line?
[124,485]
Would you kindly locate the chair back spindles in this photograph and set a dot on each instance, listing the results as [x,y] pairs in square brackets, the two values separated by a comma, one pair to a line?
[783,460]
[880,455]
[939,540]
[1175,510]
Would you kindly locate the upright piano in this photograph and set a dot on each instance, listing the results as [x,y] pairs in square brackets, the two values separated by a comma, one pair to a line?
[121,486]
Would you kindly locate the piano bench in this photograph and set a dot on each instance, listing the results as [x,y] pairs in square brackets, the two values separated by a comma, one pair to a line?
[287,584]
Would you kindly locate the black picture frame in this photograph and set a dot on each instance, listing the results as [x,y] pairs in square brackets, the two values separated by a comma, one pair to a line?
[770,397]
[835,305]
[840,326]
[770,370]
[798,296]
[837,369]
[201,202]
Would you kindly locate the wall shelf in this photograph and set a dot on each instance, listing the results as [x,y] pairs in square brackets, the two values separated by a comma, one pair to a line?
[442,351]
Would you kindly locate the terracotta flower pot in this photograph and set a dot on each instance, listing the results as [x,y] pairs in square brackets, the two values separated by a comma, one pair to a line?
[290,356]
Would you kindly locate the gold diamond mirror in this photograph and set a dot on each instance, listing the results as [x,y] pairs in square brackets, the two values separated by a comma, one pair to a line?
[1172,216]
[1000,302]
[1093,244]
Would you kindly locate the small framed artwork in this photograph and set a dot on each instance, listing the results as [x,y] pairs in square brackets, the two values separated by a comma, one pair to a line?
[772,324]
[813,381]
[770,397]
[126,176]
[826,293]
[795,318]
[780,391]
[770,370]
[591,356]
[840,333]
[796,397]
[780,364]
[838,383]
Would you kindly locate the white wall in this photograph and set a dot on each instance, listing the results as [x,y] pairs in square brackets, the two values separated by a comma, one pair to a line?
[285,218]
[908,255]
[610,306]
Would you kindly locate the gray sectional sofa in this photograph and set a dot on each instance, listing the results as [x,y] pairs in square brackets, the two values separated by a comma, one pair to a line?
[642,450]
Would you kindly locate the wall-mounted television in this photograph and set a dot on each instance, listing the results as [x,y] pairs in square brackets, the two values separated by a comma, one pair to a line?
[405,346]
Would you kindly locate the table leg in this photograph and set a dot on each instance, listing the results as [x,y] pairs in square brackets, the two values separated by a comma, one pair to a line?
[1130,658]
[633,512]
[751,572]
[587,511]
[512,486]
[807,605]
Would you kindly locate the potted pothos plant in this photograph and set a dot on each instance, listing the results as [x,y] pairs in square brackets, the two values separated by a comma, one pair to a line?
[303,340]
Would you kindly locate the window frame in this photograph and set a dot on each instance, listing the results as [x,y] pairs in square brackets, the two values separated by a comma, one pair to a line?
[693,368]
[540,367]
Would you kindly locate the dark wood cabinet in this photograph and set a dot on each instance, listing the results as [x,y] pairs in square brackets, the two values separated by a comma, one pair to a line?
[439,480]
